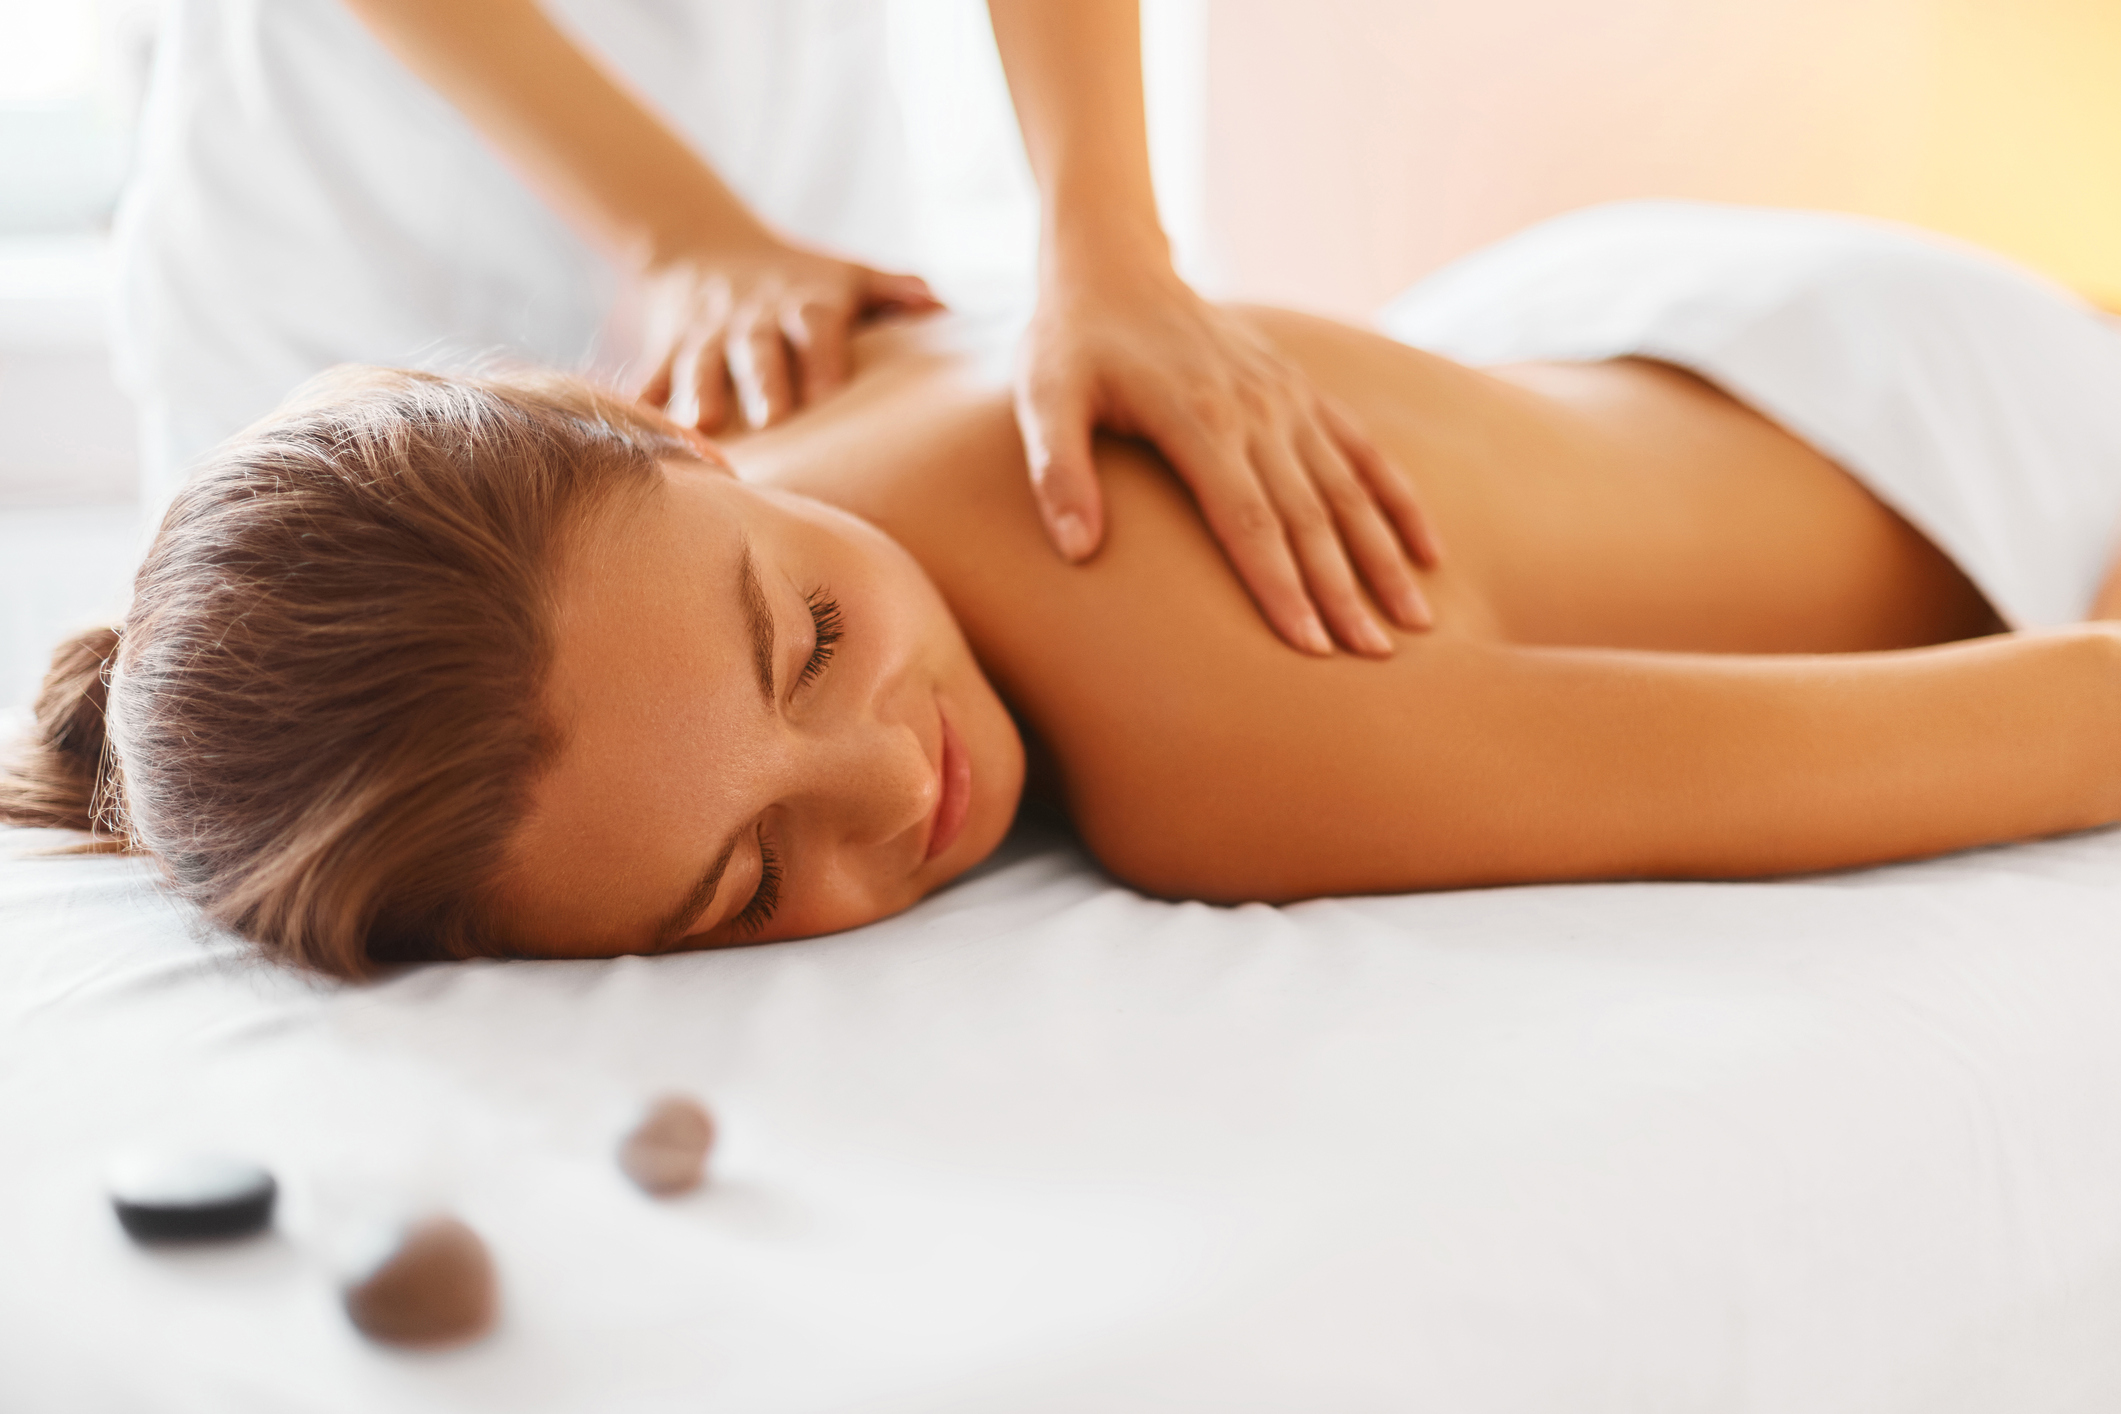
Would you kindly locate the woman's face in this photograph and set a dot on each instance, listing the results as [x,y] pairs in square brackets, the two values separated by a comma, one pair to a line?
[771,727]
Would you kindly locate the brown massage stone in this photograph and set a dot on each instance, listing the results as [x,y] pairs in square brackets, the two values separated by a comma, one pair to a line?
[666,1153]
[435,1286]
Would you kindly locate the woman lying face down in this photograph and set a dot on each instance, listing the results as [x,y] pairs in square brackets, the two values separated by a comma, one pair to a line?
[430,667]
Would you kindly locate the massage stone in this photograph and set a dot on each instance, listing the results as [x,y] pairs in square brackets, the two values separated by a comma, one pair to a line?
[190,1197]
[666,1153]
[432,1285]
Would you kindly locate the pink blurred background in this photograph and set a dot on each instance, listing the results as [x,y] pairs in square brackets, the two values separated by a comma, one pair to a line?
[1353,145]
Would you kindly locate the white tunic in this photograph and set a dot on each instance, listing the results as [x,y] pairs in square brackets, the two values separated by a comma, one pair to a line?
[302,200]
[1976,399]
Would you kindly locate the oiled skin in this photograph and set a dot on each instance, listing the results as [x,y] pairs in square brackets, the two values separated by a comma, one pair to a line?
[1606,529]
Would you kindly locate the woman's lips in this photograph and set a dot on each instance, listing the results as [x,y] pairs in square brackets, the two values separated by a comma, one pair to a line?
[954,802]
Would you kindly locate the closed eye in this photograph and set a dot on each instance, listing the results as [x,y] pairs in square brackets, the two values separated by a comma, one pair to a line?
[825,620]
[766,897]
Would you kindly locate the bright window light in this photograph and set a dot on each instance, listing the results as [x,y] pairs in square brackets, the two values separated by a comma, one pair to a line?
[66,100]
[48,51]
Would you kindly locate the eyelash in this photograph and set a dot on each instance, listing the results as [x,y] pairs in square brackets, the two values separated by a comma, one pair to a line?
[825,618]
[767,897]
[826,623]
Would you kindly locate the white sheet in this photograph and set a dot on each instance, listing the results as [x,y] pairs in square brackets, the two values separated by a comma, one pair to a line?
[1845,1143]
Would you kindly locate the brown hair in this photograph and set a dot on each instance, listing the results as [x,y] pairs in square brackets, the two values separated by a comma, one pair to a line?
[321,714]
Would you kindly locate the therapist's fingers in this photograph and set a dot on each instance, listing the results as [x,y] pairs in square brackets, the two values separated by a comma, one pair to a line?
[820,327]
[1314,541]
[758,365]
[1055,417]
[656,391]
[1364,531]
[1391,487]
[817,333]
[752,340]
[880,289]
[699,381]
[1213,456]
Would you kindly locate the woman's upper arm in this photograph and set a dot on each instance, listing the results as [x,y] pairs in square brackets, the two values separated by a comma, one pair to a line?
[1462,763]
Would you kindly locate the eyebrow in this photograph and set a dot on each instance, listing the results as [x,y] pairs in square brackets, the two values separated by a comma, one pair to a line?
[758,617]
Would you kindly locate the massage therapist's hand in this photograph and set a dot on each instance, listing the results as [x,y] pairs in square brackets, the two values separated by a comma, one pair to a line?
[1299,498]
[731,306]
[768,322]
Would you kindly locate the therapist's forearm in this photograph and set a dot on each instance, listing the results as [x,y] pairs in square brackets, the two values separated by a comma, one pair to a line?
[599,154]
[1075,76]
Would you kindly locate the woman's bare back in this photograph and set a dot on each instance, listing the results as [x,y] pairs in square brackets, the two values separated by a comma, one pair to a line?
[1621,506]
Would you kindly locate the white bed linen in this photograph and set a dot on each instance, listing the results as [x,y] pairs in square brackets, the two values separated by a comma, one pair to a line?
[1844,1143]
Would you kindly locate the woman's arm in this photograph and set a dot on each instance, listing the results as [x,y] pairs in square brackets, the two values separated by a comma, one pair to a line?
[1292,488]
[1497,763]
[727,293]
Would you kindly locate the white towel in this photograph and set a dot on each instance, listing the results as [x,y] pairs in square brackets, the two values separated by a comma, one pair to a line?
[1978,400]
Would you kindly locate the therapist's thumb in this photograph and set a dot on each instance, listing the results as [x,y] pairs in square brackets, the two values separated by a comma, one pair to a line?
[1055,420]
[884,290]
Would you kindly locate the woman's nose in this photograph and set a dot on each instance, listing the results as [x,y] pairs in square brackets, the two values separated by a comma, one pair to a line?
[878,781]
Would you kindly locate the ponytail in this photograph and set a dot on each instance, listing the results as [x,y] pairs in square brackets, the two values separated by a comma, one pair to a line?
[59,778]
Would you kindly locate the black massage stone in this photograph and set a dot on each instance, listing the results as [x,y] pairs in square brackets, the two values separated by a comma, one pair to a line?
[180,1197]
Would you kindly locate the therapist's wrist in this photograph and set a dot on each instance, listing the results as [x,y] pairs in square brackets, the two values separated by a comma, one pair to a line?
[1095,245]
[694,232]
